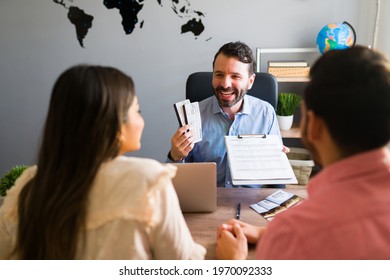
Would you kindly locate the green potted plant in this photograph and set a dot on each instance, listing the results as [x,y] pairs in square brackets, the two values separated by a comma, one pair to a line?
[9,178]
[287,104]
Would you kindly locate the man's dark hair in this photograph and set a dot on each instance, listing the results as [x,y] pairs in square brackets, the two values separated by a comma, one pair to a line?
[239,50]
[350,90]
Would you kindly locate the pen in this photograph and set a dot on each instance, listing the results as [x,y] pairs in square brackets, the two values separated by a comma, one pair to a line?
[238,211]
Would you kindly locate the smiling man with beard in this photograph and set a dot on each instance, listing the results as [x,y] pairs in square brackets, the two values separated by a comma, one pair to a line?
[346,127]
[229,112]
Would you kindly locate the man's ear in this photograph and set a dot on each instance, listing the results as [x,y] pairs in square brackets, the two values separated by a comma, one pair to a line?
[251,81]
[315,126]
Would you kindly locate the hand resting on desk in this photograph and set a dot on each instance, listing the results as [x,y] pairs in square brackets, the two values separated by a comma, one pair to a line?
[233,238]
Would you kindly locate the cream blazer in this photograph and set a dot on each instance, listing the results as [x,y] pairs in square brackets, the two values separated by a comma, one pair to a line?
[133,213]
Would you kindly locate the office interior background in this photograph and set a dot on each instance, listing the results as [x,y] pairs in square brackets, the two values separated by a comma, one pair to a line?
[38,42]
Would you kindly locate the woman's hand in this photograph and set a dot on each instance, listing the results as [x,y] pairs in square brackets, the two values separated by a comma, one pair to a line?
[251,232]
[231,244]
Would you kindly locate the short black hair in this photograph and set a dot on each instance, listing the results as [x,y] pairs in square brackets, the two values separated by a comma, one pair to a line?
[240,50]
[350,90]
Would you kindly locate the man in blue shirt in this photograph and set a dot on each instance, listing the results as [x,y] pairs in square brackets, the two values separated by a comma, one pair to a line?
[229,112]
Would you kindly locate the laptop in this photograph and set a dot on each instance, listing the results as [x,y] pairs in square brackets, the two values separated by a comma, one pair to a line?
[196,186]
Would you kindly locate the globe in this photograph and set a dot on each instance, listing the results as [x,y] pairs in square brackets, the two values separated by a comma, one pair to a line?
[336,36]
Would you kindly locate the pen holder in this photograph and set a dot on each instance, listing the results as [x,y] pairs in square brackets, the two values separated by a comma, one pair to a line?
[301,163]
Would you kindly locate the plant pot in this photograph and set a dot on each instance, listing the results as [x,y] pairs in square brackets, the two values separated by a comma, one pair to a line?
[285,122]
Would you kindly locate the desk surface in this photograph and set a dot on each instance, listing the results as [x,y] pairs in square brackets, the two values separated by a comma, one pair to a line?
[203,226]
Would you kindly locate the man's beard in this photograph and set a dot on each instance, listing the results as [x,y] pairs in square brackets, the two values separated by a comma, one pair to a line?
[309,146]
[239,95]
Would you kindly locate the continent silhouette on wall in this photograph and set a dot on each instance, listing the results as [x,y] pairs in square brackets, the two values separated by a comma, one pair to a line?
[129,11]
[81,21]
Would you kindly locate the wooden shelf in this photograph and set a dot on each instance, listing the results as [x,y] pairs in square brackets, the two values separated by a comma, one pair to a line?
[282,51]
[295,84]
[292,79]
[293,132]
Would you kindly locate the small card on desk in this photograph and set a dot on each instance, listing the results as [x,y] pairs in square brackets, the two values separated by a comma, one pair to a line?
[188,113]
[275,203]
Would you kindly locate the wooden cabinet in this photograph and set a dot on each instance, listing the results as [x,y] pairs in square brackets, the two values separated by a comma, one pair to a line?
[292,137]
[265,55]
[288,84]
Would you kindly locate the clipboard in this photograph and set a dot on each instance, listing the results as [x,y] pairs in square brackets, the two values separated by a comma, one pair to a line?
[258,159]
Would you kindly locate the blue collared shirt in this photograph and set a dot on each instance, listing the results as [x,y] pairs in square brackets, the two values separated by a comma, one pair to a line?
[256,117]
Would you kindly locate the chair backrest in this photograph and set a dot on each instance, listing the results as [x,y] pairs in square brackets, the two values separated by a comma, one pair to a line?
[199,87]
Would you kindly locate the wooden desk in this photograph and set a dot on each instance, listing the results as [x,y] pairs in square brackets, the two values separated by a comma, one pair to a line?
[203,226]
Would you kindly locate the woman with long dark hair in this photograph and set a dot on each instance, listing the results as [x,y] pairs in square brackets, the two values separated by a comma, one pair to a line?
[84,199]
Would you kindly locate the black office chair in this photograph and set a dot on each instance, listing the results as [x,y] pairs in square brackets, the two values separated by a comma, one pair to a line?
[199,87]
[265,87]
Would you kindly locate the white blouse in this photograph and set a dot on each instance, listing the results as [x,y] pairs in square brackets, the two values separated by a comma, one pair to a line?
[133,213]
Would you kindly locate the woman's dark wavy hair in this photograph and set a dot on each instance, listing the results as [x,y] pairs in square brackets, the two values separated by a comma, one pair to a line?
[239,50]
[350,90]
[87,107]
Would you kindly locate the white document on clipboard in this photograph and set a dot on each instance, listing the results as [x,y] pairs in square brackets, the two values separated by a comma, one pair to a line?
[258,159]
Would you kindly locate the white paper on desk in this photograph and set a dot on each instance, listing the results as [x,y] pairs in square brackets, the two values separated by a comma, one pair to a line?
[276,203]
[256,160]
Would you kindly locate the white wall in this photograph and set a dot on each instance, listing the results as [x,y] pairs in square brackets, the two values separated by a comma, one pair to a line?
[382,40]
[38,43]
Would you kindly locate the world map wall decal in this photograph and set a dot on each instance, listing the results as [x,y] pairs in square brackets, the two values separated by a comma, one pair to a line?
[129,10]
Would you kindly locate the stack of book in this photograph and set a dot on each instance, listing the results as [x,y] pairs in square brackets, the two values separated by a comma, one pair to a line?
[289,69]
